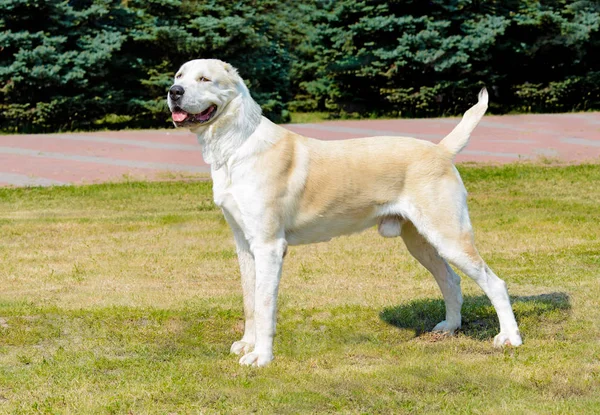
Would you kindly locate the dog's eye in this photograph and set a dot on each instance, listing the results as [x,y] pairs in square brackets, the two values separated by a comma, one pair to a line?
[203,79]
[179,75]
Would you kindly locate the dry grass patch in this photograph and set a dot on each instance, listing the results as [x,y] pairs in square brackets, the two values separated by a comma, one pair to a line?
[124,298]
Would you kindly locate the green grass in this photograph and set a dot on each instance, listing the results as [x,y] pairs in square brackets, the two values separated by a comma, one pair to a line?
[124,299]
[309,117]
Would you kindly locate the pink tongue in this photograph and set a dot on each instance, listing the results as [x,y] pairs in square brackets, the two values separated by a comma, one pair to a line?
[205,115]
[179,116]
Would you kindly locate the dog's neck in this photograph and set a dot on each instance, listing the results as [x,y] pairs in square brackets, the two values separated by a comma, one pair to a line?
[221,139]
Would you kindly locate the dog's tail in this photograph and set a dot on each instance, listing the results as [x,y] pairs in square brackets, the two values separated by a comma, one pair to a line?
[459,137]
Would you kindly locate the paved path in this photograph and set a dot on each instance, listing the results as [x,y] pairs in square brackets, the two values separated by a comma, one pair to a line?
[56,159]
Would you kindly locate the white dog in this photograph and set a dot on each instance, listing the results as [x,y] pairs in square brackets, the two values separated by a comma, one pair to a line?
[277,188]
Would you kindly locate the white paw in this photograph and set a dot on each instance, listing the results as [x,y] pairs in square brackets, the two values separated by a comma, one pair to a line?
[445,327]
[256,359]
[241,346]
[508,339]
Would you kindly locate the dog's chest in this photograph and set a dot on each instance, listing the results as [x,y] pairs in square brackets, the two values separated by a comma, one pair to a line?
[239,200]
[224,198]
[226,201]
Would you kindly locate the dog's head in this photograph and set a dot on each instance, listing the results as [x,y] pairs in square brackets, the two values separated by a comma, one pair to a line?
[202,90]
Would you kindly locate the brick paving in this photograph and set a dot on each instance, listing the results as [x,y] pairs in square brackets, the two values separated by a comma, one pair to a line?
[59,159]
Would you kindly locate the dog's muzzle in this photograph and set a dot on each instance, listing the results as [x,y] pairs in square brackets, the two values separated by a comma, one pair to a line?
[181,117]
[176,92]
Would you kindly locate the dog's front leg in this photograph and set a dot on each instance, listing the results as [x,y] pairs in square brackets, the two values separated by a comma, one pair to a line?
[248,274]
[268,257]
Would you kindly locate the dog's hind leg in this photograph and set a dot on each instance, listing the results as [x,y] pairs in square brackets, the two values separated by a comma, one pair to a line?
[446,278]
[469,262]
[442,218]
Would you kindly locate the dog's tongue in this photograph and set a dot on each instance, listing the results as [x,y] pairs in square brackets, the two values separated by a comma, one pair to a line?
[179,116]
[205,115]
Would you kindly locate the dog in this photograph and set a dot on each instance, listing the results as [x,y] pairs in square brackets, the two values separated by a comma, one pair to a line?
[277,188]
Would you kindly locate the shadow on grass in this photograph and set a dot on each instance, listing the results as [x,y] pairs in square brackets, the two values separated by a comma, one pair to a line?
[479,319]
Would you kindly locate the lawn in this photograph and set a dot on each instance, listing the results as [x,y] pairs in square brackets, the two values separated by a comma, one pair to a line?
[124,298]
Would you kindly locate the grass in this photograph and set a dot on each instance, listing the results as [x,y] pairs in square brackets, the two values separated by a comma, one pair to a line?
[309,117]
[124,299]
[316,117]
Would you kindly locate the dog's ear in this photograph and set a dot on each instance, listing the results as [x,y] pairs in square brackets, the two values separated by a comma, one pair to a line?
[230,68]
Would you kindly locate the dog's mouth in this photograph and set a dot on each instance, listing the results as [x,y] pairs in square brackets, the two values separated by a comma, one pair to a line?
[182,118]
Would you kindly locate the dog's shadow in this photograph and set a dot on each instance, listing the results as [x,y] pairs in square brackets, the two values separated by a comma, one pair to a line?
[479,319]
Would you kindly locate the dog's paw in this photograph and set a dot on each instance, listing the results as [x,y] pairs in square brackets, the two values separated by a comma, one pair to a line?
[256,359]
[446,328]
[508,339]
[241,347]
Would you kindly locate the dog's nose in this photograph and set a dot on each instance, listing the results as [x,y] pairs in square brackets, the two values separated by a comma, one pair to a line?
[176,92]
